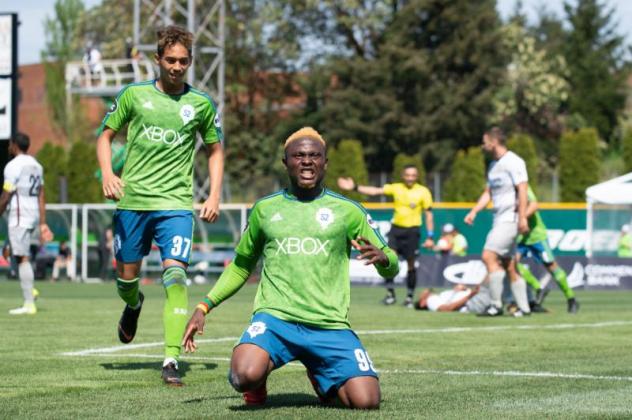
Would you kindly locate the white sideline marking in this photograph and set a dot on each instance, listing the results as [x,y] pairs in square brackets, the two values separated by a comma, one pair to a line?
[510,373]
[114,349]
[498,328]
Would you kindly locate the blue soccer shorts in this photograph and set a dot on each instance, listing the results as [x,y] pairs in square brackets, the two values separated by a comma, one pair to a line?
[540,251]
[172,230]
[332,356]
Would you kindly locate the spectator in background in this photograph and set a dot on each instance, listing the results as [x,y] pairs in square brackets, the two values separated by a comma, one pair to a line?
[92,58]
[410,200]
[624,248]
[65,260]
[452,242]
[105,254]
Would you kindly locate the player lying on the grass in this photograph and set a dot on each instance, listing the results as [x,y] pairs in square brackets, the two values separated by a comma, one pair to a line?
[155,194]
[301,311]
[535,243]
[460,298]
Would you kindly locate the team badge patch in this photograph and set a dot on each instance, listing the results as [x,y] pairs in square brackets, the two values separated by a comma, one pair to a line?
[113,107]
[370,221]
[217,121]
[256,328]
[187,113]
[324,217]
[117,243]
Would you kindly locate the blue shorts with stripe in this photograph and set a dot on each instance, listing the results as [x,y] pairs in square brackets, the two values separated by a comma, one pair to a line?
[332,356]
[172,230]
[540,251]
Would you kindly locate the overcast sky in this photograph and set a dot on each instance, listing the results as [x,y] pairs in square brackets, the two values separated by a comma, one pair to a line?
[32,13]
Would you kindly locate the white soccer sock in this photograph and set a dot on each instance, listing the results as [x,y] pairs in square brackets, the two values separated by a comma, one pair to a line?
[544,281]
[496,287]
[519,290]
[25,272]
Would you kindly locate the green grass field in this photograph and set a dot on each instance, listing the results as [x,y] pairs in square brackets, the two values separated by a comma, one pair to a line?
[432,365]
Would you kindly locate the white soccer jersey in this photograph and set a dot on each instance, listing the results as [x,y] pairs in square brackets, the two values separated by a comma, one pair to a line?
[448,296]
[24,177]
[503,177]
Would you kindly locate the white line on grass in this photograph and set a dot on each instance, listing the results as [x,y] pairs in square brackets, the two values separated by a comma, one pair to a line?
[114,349]
[510,373]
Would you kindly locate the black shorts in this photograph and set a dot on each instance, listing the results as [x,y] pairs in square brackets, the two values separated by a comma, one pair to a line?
[404,240]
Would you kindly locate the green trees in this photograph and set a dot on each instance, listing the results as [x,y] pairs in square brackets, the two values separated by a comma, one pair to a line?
[467,177]
[626,149]
[83,187]
[579,163]
[595,56]
[347,160]
[53,160]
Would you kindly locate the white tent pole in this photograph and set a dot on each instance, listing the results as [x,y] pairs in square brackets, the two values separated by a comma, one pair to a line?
[589,228]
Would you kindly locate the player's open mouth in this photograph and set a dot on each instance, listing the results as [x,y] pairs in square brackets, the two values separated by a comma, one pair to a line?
[307,174]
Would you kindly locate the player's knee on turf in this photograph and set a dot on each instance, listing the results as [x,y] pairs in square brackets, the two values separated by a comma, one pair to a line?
[361,393]
[248,368]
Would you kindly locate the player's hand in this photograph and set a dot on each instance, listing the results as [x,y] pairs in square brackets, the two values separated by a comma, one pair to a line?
[469,218]
[474,290]
[46,235]
[210,210]
[195,325]
[113,187]
[346,183]
[428,243]
[523,225]
[369,252]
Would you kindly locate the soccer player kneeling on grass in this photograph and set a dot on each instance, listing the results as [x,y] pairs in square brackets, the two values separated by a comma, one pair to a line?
[301,311]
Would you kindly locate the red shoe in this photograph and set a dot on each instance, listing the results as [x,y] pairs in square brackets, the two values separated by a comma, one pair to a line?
[256,396]
[324,399]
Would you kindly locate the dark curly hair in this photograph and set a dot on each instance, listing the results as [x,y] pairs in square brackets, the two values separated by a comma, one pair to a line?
[171,35]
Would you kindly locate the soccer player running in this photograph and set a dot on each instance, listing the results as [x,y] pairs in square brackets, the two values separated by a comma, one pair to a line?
[535,243]
[301,311]
[507,189]
[23,192]
[409,200]
[155,193]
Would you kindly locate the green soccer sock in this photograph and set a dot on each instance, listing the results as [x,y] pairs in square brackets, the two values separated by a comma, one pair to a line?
[175,312]
[560,278]
[528,276]
[128,290]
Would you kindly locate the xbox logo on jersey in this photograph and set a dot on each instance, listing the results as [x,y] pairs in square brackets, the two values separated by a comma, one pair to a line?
[303,246]
[158,134]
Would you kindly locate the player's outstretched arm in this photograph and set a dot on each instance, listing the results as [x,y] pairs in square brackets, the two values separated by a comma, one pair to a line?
[385,259]
[46,235]
[210,208]
[482,202]
[429,242]
[195,326]
[348,184]
[112,185]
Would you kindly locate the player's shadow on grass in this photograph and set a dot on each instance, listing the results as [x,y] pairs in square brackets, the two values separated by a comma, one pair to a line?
[282,400]
[183,367]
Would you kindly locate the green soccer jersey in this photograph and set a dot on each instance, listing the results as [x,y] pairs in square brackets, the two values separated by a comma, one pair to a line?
[161,136]
[537,228]
[306,248]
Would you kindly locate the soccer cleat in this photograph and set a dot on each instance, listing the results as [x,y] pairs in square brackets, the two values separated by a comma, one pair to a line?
[520,314]
[129,321]
[573,306]
[408,303]
[491,310]
[27,309]
[537,309]
[170,375]
[389,300]
[36,294]
[540,295]
[256,396]
[323,398]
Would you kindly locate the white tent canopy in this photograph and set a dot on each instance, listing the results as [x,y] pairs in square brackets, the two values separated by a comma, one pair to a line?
[616,191]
